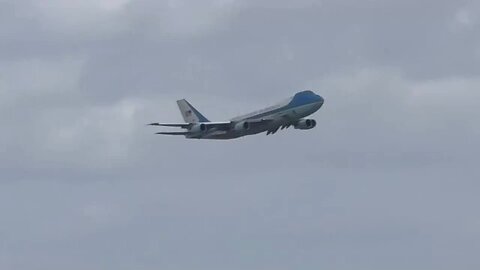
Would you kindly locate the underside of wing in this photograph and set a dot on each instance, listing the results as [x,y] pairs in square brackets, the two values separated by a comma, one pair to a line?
[259,122]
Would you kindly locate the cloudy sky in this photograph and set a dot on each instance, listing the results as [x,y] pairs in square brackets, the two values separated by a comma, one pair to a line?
[389,179]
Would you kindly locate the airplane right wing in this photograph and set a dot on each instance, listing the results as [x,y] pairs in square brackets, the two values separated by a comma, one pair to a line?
[259,122]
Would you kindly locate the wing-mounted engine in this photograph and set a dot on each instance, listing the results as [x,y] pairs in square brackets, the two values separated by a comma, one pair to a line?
[305,124]
[242,126]
[198,128]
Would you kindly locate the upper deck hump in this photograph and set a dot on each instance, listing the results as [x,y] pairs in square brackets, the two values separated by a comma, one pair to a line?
[262,112]
[299,99]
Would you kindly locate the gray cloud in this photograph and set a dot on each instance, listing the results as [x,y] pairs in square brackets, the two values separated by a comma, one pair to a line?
[387,179]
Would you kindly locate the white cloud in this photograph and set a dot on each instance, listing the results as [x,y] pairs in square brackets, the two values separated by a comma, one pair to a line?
[183,18]
[85,184]
[38,78]
[395,118]
[89,136]
[464,17]
[80,19]
[97,20]
[101,214]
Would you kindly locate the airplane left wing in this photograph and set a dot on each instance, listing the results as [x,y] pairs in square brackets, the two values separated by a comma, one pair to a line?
[173,133]
[181,125]
[208,125]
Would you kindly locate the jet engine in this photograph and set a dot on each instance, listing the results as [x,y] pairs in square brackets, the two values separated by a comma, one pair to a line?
[305,124]
[198,128]
[242,126]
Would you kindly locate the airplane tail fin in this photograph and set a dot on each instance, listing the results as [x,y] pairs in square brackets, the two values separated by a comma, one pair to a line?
[189,113]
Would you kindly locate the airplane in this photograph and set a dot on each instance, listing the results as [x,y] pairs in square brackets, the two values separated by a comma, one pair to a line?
[291,112]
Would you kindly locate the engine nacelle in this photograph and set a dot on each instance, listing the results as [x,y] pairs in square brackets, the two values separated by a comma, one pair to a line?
[198,128]
[305,124]
[242,126]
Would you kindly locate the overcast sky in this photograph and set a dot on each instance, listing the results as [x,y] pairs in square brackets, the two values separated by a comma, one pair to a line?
[389,178]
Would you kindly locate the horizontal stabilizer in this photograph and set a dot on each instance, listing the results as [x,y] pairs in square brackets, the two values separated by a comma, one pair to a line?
[173,133]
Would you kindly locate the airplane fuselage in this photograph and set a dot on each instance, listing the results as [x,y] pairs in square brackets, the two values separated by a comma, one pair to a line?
[291,112]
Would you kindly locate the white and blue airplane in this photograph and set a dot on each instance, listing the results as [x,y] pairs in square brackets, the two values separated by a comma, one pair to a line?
[291,112]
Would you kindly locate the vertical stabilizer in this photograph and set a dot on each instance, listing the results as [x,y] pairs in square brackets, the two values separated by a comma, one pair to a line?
[189,113]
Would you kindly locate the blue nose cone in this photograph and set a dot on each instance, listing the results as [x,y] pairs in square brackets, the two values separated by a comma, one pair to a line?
[306,97]
[320,99]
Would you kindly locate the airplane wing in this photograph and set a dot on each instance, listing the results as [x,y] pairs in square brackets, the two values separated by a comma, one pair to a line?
[259,122]
[209,125]
[173,133]
[181,125]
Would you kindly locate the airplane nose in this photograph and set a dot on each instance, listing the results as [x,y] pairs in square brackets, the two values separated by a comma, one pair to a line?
[320,100]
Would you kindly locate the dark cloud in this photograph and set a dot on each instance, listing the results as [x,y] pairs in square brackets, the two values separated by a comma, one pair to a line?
[387,179]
